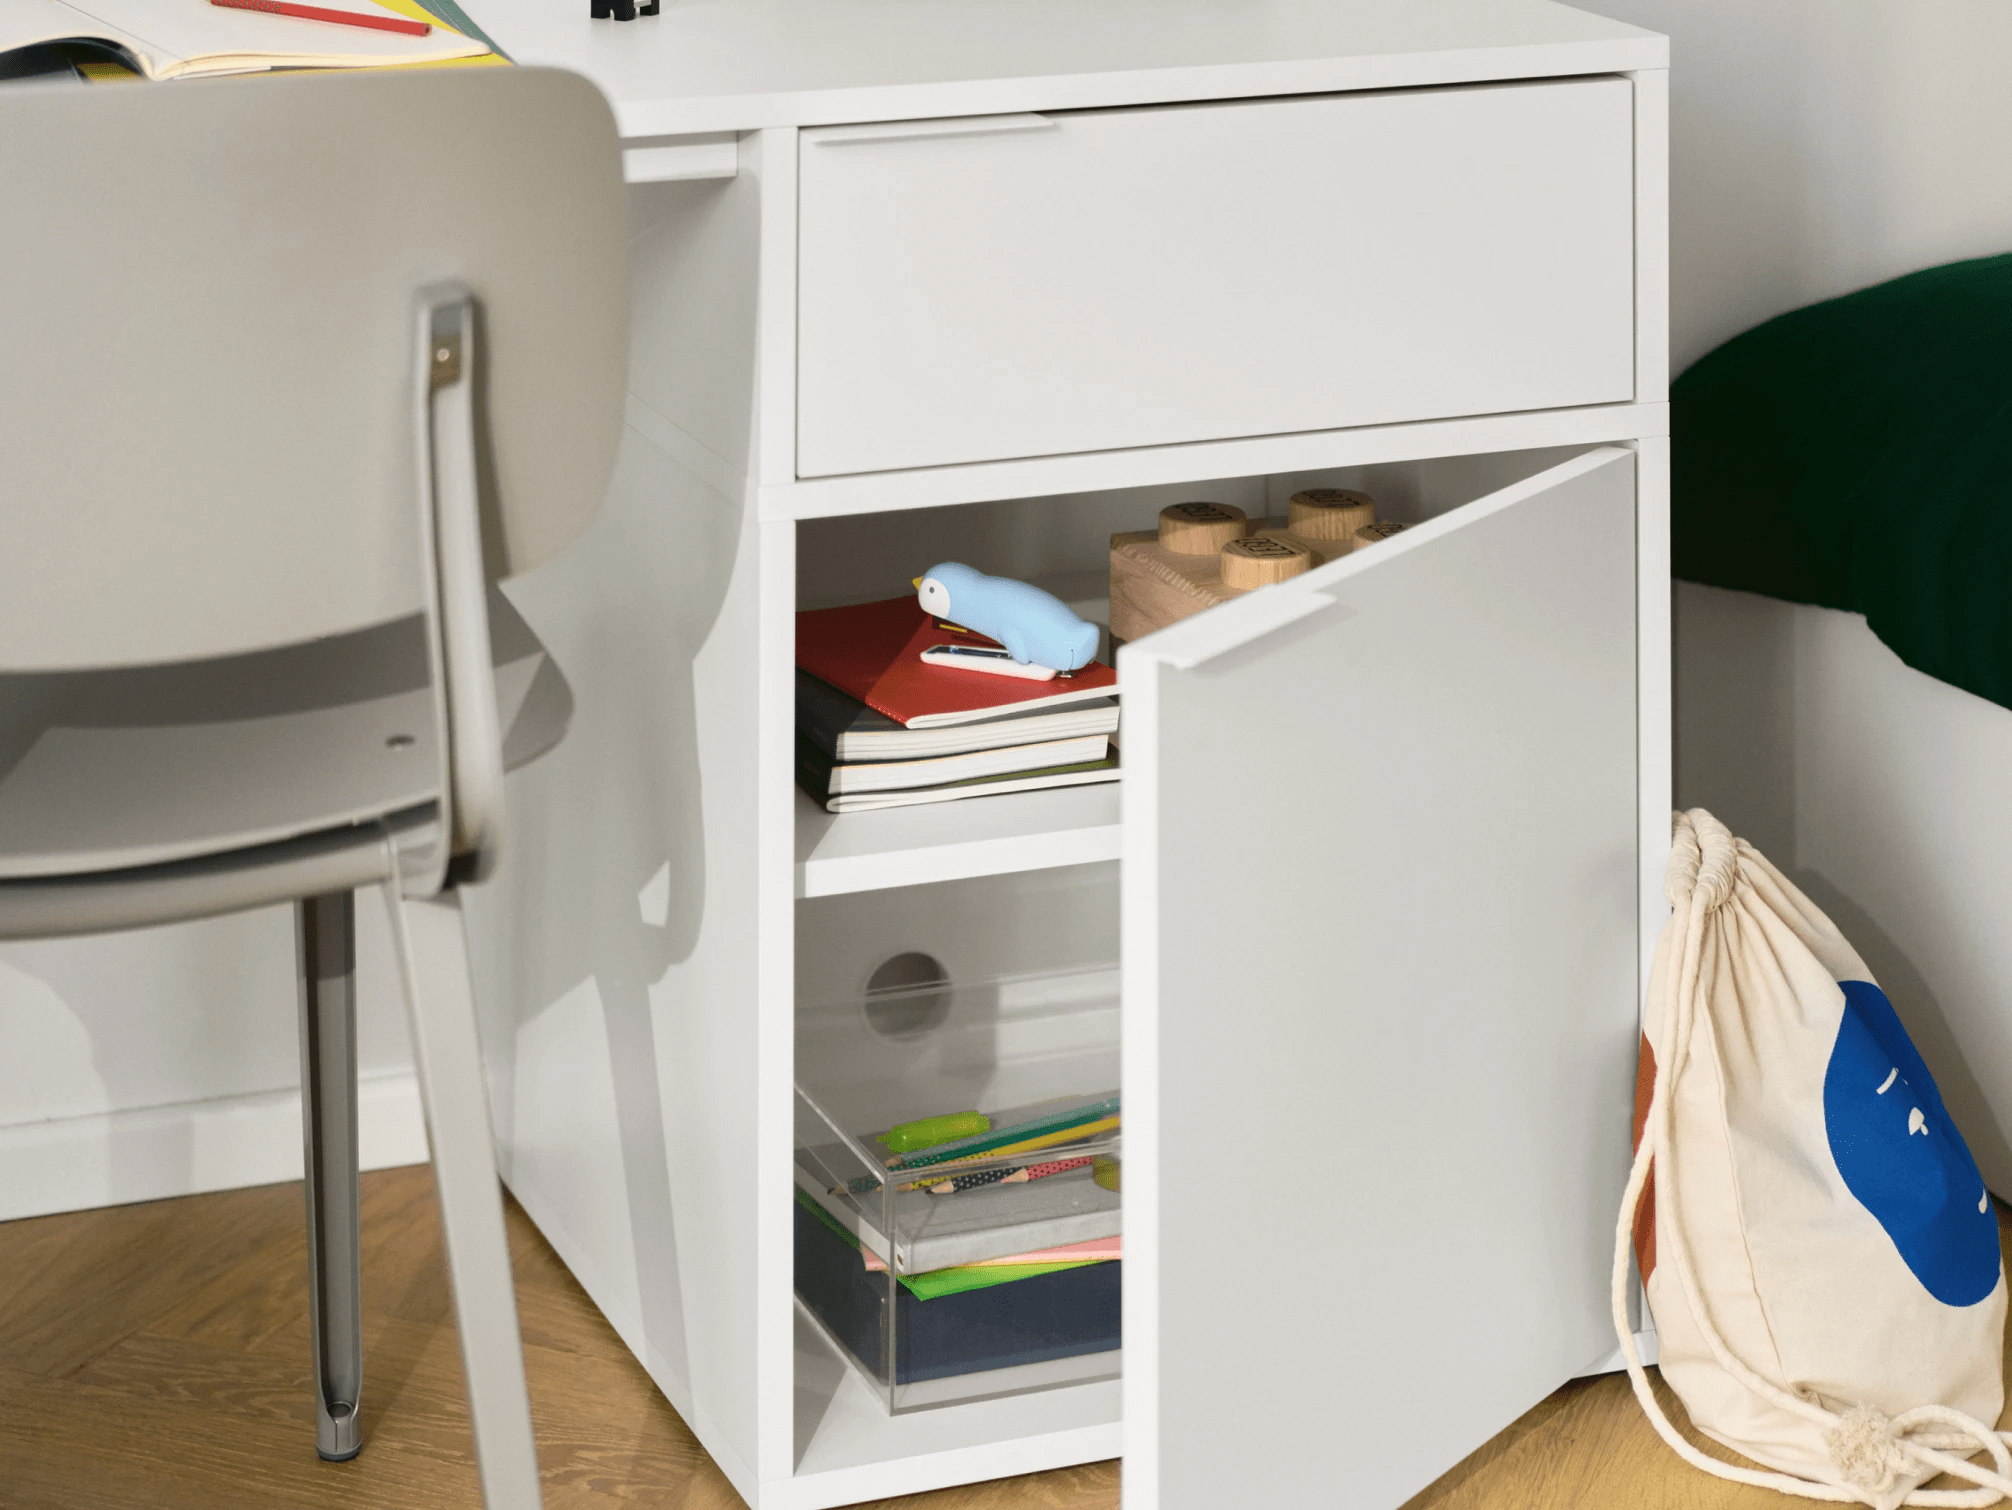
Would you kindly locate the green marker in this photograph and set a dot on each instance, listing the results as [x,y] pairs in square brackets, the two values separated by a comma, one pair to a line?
[927,1132]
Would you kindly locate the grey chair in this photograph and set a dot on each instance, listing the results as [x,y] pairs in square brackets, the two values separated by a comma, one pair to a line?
[291,373]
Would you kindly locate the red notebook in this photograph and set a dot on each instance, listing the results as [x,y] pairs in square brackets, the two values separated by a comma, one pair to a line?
[873,651]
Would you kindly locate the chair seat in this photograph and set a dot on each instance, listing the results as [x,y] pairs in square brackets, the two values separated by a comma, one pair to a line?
[107,771]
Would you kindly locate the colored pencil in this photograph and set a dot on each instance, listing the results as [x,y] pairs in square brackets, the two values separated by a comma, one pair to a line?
[865,1184]
[322,13]
[972,1181]
[1074,1134]
[1018,1176]
[1046,1140]
[998,1137]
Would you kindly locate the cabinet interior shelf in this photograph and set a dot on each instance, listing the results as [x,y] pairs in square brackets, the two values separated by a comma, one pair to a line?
[949,841]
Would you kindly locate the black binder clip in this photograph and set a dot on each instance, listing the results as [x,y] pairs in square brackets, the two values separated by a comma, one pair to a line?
[621,10]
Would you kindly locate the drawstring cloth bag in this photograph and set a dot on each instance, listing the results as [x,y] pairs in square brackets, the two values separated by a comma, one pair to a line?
[1820,1255]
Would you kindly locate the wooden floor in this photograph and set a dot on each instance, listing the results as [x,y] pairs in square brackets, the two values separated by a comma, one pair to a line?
[154,1357]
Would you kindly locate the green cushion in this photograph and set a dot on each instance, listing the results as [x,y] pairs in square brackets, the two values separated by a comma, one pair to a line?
[1858,454]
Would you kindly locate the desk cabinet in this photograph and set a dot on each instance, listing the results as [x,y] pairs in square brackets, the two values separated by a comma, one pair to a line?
[1365,923]
[1031,285]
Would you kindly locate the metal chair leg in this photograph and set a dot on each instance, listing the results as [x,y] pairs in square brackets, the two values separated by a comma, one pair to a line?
[440,1005]
[325,935]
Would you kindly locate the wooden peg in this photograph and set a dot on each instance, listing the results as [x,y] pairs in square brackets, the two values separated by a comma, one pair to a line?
[1329,514]
[1200,529]
[1371,534]
[1263,559]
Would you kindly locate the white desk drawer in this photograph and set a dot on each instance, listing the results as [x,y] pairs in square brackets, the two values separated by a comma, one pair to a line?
[1035,285]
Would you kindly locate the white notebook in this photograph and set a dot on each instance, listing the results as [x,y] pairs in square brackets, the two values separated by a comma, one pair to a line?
[174,39]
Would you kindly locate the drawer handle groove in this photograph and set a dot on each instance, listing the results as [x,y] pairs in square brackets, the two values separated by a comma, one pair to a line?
[909,131]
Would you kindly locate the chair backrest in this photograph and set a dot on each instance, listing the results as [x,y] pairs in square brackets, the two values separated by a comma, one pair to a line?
[207,346]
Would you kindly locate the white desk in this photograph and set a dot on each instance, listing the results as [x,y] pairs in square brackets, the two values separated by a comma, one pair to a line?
[1391,835]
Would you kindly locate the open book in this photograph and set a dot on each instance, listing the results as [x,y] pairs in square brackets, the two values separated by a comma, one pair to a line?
[175,39]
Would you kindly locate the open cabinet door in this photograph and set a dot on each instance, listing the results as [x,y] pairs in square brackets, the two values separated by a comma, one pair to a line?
[1379,1001]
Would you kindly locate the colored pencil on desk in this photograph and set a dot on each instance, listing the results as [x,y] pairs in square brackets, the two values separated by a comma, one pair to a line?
[322,13]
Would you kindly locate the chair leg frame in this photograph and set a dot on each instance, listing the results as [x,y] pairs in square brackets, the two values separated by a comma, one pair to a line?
[325,952]
[440,1005]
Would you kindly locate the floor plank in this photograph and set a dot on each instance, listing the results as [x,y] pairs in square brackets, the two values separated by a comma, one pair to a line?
[1590,1444]
[155,1357]
[93,1277]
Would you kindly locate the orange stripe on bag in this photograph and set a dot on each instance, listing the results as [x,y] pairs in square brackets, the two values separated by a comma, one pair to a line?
[1645,1215]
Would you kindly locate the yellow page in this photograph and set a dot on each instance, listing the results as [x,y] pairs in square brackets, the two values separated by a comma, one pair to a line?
[414,11]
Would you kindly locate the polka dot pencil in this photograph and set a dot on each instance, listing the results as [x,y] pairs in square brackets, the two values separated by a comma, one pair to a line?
[1018,1176]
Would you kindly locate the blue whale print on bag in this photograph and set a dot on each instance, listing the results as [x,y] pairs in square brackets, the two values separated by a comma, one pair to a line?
[1901,1155]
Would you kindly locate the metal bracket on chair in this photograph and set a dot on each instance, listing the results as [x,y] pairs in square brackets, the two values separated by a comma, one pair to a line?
[456,594]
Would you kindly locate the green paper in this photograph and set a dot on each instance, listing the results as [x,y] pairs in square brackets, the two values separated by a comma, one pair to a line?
[954,1281]
[983,1276]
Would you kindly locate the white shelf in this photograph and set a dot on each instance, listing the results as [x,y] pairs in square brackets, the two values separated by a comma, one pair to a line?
[948,841]
[849,1448]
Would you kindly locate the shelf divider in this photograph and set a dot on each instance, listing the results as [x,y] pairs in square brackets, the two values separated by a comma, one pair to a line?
[948,841]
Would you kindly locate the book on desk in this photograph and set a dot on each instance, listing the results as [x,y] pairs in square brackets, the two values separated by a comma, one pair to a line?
[178,39]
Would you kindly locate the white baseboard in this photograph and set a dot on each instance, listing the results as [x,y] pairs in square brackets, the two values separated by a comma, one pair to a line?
[1645,1349]
[154,1152]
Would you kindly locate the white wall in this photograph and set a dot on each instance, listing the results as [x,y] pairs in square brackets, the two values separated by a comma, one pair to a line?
[1819,146]
[140,1065]
[1883,793]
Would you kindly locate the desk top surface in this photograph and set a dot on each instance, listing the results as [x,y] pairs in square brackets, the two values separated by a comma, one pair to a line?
[738,65]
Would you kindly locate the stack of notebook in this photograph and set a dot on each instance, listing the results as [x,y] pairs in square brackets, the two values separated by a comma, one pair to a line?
[877,727]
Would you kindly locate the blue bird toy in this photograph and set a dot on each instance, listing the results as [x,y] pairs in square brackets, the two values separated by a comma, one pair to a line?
[1036,627]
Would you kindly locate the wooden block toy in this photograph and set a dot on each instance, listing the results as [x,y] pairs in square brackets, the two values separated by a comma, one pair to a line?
[1372,534]
[1321,551]
[1201,529]
[1260,560]
[1151,586]
[1322,519]
[1203,554]
[1330,515]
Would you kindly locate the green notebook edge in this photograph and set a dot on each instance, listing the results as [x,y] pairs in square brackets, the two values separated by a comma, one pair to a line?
[450,14]
[952,1281]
